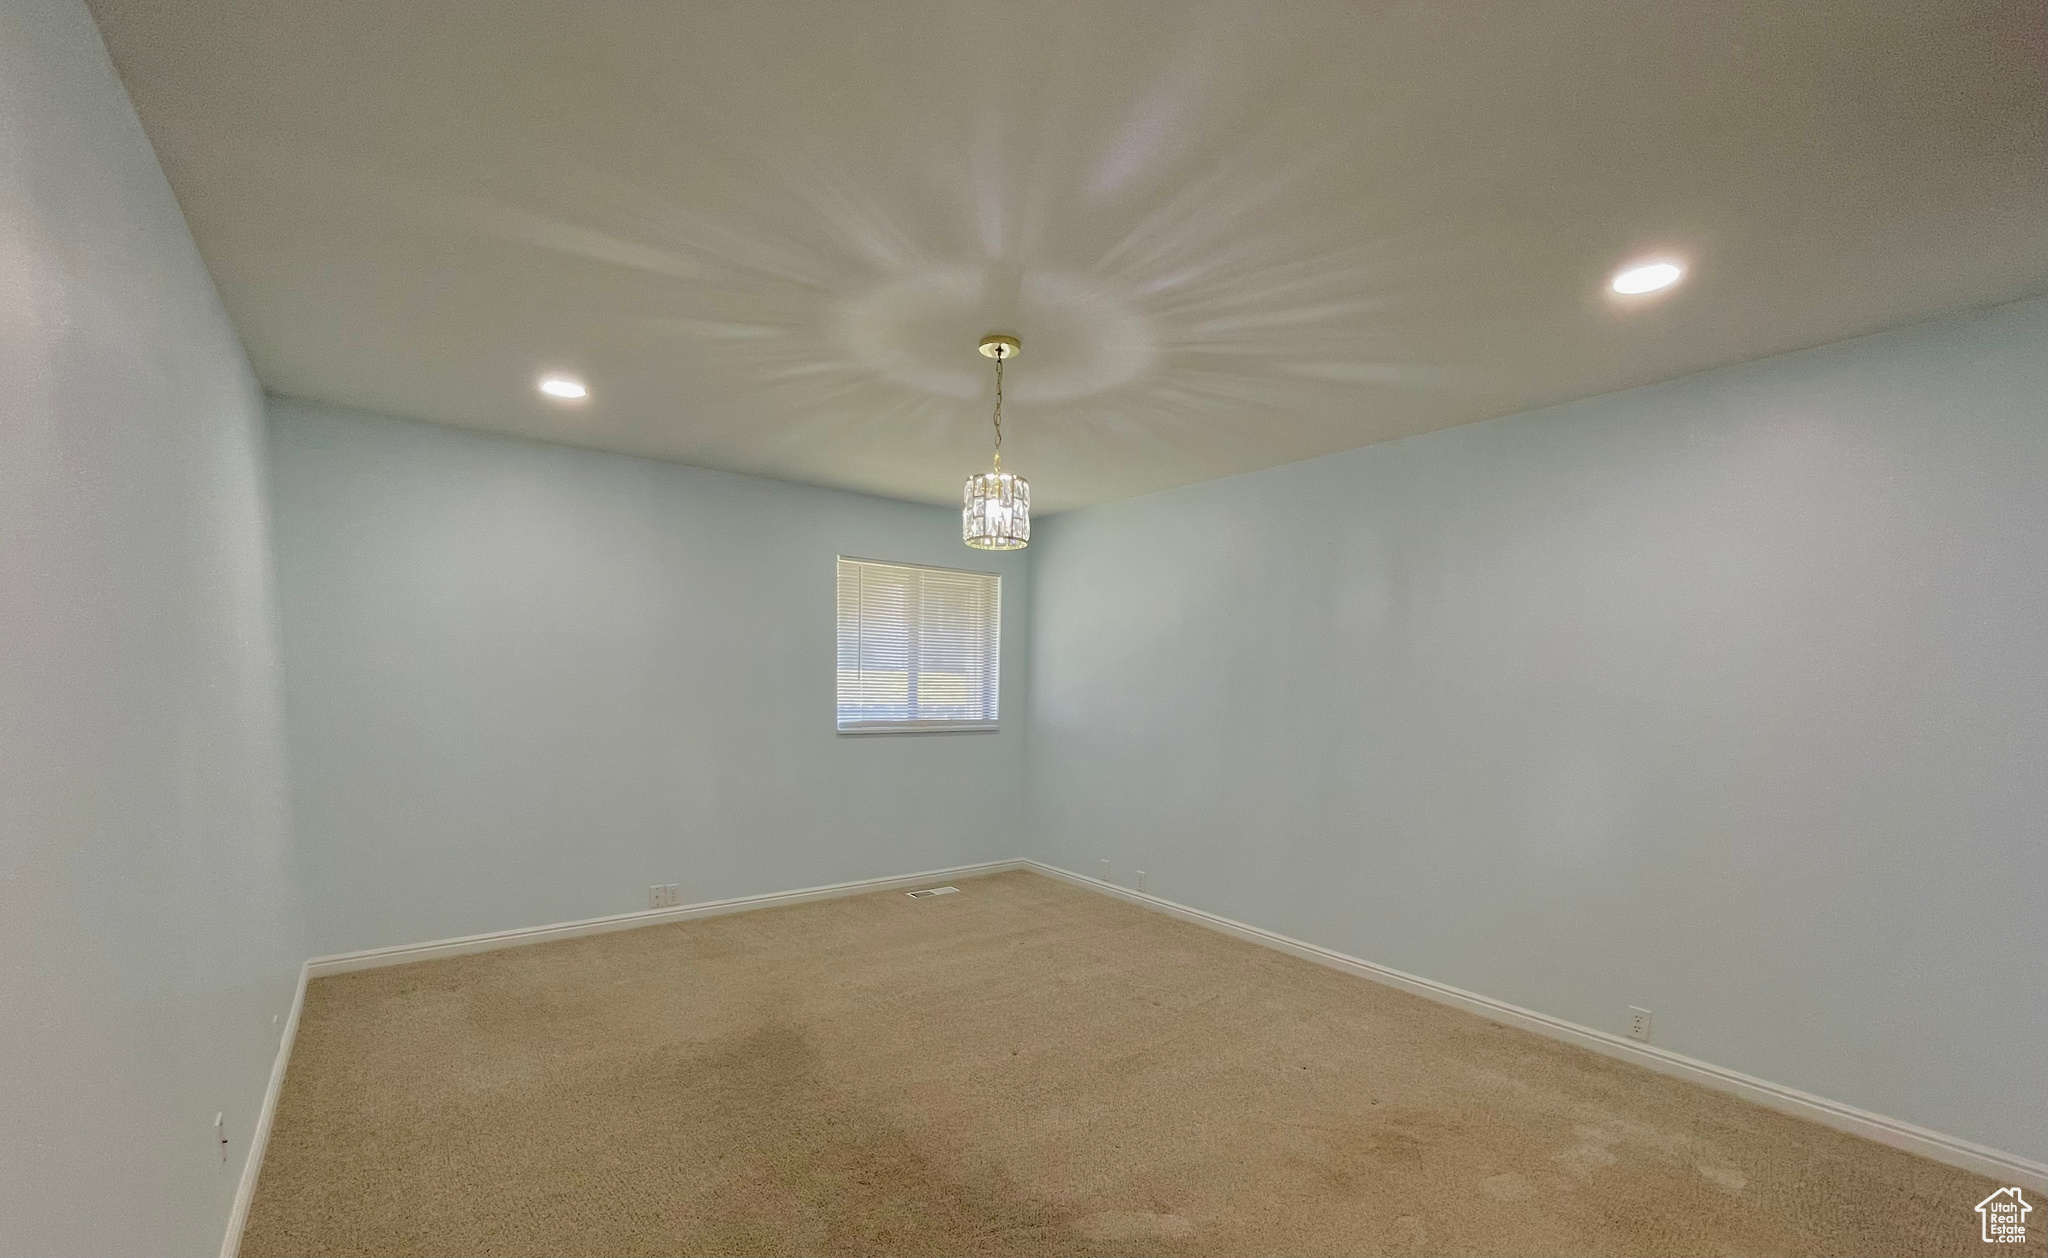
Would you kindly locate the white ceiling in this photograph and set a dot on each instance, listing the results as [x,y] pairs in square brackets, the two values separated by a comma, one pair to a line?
[1230,235]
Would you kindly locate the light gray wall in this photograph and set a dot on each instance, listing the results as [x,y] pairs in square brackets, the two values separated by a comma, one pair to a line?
[149,926]
[1726,698]
[527,681]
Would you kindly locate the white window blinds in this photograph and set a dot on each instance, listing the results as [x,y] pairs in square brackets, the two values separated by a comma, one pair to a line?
[918,647]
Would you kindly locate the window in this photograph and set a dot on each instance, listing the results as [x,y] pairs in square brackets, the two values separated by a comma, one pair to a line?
[918,647]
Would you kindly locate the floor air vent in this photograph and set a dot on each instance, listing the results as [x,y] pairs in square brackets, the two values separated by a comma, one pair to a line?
[929,892]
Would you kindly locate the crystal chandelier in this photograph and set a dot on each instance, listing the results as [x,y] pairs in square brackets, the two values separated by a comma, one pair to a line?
[998,511]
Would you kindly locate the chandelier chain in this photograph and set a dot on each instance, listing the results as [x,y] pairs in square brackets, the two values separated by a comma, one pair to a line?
[999,412]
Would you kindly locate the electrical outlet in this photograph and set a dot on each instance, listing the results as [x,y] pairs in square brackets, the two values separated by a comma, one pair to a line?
[1102,870]
[663,895]
[220,1134]
[1638,1023]
[1141,880]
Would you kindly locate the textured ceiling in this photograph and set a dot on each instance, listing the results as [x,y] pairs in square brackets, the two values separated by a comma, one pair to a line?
[770,234]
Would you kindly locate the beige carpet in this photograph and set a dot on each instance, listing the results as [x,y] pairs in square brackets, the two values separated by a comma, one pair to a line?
[1023,1068]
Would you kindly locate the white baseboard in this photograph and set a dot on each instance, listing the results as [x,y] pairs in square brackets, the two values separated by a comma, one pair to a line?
[405,954]
[2007,1168]
[259,1135]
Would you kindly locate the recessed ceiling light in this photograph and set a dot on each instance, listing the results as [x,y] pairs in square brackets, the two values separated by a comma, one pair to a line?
[1647,277]
[567,388]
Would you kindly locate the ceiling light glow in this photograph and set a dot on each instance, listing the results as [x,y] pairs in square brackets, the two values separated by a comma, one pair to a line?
[568,388]
[1647,277]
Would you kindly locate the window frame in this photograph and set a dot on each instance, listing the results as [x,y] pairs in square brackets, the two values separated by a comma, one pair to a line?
[929,726]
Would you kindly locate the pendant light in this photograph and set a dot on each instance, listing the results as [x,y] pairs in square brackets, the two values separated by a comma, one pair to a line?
[998,511]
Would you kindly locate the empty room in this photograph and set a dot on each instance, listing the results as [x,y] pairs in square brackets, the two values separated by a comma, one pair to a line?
[866,627]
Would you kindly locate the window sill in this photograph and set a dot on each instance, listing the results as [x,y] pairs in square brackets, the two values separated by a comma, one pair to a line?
[920,727]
